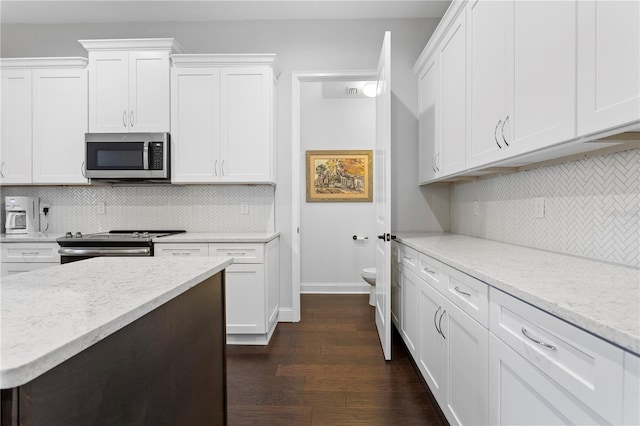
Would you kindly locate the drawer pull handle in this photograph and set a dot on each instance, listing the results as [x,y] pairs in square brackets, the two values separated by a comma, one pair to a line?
[543,344]
[239,253]
[177,253]
[407,258]
[429,271]
[30,253]
[462,292]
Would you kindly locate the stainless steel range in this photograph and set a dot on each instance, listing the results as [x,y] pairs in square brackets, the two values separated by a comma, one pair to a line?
[76,246]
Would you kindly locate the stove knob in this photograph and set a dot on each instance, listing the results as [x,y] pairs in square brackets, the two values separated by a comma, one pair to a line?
[78,235]
[136,235]
[145,235]
[68,235]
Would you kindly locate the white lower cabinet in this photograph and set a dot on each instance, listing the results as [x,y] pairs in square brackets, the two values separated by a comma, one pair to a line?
[252,293]
[25,257]
[564,374]
[396,290]
[489,358]
[519,393]
[451,348]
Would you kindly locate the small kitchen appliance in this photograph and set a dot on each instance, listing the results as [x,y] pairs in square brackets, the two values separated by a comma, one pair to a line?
[76,246]
[22,215]
[127,156]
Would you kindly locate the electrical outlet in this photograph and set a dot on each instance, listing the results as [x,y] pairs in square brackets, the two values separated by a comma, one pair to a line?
[538,207]
[475,208]
[244,208]
[44,208]
[101,207]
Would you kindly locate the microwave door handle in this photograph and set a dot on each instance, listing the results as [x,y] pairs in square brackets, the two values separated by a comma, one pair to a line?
[145,155]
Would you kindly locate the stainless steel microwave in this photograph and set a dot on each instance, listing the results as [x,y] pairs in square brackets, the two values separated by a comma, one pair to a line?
[127,156]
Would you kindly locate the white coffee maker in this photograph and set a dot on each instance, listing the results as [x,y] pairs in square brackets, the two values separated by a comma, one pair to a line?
[23,215]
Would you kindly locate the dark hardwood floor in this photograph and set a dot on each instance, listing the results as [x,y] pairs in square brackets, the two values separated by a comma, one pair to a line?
[328,369]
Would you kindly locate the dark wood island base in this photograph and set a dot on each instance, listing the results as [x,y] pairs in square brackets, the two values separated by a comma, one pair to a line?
[166,368]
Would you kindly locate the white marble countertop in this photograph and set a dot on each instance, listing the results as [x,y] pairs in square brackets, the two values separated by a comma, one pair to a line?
[218,237]
[50,315]
[32,237]
[600,297]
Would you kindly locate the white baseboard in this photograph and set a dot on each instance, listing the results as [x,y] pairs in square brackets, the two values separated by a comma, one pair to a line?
[285,315]
[335,288]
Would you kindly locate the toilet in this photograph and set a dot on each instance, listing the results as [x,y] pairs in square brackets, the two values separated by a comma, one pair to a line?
[369,275]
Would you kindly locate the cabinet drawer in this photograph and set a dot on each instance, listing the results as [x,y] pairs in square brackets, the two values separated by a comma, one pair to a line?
[432,271]
[587,367]
[241,252]
[469,294]
[408,258]
[11,268]
[184,250]
[30,252]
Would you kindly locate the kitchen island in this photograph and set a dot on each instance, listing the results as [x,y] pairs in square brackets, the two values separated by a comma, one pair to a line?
[115,341]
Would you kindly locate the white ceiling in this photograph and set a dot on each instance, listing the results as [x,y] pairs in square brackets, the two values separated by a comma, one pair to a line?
[100,11]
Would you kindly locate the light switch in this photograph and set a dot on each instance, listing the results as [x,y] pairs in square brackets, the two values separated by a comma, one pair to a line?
[538,207]
[101,207]
[244,208]
[475,208]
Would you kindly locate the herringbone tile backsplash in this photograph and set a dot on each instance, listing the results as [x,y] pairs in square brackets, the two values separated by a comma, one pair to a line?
[592,208]
[198,208]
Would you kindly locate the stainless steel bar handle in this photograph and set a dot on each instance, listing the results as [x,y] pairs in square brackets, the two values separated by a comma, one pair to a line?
[131,118]
[433,163]
[503,138]
[124,118]
[180,253]
[1,167]
[435,324]
[462,292]
[215,168]
[536,341]
[145,155]
[30,253]
[222,168]
[238,253]
[495,137]
[440,324]
[84,175]
[118,251]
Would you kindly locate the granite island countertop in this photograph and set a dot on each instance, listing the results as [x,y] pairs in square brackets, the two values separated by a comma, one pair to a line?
[219,237]
[50,315]
[600,297]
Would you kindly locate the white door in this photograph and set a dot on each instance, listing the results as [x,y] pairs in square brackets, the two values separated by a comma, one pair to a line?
[148,92]
[108,92]
[195,125]
[15,139]
[608,64]
[382,175]
[59,125]
[245,124]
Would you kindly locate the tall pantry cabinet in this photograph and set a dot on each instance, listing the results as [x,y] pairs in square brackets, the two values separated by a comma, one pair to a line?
[222,118]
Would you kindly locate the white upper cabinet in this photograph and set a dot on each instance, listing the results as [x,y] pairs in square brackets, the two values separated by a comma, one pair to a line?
[608,64]
[522,67]
[44,119]
[15,160]
[222,120]
[453,99]
[428,120]
[59,125]
[129,85]
[442,104]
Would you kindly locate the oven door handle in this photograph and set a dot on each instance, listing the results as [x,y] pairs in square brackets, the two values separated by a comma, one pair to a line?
[116,251]
[145,155]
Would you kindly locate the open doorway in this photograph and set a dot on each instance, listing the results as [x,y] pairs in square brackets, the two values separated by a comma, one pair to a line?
[330,112]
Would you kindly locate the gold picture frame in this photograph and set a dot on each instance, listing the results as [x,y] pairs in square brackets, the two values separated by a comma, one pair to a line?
[340,176]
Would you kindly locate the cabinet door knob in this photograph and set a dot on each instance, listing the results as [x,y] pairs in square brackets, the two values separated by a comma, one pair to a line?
[495,137]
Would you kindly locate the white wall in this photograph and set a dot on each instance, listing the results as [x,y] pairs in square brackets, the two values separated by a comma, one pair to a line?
[330,260]
[301,46]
